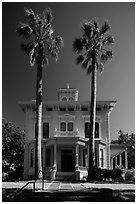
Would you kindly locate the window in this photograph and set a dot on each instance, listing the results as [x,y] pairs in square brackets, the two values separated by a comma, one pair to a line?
[48,156]
[118,160]
[63,126]
[87,130]
[98,108]
[84,108]
[48,108]
[31,158]
[71,99]
[70,126]
[45,130]
[84,157]
[62,108]
[35,129]
[101,158]
[64,99]
[96,130]
[66,126]
[70,108]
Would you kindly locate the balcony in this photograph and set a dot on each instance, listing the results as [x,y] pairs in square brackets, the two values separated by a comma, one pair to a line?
[66,134]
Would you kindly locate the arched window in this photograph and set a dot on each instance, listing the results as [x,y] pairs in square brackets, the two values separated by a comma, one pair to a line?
[64,99]
[71,99]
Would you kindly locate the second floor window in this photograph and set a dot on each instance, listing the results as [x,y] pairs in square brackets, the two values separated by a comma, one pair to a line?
[45,130]
[62,126]
[70,126]
[87,130]
[66,126]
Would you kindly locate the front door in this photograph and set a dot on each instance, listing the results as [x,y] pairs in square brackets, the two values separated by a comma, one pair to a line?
[67,160]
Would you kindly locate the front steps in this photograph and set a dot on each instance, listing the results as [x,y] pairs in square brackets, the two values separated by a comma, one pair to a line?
[65,176]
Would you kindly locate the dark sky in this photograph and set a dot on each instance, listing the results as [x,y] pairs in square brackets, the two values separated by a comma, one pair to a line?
[116,83]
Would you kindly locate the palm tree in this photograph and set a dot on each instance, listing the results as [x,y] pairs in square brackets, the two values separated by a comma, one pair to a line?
[92,54]
[39,32]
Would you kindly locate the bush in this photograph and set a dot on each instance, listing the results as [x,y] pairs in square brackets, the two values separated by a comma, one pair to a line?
[130,175]
[117,174]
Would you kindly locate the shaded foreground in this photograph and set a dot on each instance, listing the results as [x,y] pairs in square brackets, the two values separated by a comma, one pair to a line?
[67,191]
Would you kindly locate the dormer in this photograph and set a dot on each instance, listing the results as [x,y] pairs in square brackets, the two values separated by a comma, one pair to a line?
[67,94]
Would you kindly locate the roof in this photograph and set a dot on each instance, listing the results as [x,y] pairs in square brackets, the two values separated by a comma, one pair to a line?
[107,105]
[116,149]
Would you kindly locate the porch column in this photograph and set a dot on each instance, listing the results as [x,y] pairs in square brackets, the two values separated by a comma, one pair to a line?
[108,139]
[55,156]
[77,171]
[126,162]
[54,168]
[120,160]
[77,157]
[116,162]
[87,155]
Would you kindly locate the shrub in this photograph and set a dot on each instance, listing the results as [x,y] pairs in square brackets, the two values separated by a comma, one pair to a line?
[117,175]
[130,175]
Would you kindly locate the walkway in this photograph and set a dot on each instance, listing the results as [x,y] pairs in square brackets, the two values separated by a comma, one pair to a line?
[70,186]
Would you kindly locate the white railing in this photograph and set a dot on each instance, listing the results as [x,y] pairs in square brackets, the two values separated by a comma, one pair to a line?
[66,134]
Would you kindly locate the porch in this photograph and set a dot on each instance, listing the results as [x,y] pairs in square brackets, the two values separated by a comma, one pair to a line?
[65,158]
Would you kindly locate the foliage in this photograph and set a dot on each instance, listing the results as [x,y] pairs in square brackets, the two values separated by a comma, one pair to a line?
[93,52]
[13,139]
[39,31]
[130,175]
[93,42]
[129,141]
[106,174]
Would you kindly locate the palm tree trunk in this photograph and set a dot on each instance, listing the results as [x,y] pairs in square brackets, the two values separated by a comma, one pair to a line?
[38,162]
[92,122]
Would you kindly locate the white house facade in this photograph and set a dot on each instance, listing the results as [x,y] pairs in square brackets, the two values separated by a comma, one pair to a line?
[65,137]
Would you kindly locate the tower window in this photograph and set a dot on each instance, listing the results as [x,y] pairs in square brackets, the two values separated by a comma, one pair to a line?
[71,99]
[64,99]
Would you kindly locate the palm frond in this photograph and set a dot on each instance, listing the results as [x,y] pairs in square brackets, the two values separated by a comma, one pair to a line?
[45,61]
[30,14]
[85,64]
[59,41]
[32,57]
[105,28]
[101,67]
[24,30]
[89,55]
[27,47]
[109,53]
[48,15]
[108,40]
[87,28]
[89,69]
[79,59]
[78,45]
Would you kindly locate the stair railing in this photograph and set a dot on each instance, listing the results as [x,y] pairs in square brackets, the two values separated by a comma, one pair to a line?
[14,195]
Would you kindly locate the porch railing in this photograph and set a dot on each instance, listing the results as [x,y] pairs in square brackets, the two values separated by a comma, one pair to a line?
[66,134]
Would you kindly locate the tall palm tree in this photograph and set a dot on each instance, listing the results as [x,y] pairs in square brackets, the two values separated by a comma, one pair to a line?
[39,32]
[92,54]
